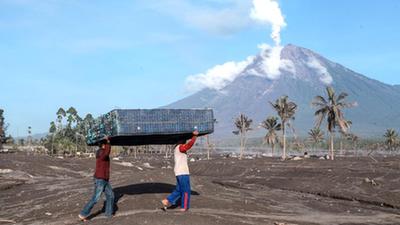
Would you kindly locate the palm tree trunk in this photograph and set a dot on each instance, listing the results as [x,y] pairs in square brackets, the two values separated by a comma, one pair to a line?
[341,146]
[241,145]
[208,147]
[331,146]
[313,148]
[272,148]
[244,141]
[284,141]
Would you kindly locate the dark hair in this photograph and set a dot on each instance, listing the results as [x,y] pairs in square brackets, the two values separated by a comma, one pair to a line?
[180,141]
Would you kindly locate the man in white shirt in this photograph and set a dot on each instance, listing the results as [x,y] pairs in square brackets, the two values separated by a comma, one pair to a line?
[182,174]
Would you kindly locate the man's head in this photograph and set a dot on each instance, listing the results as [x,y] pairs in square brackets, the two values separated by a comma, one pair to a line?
[101,144]
[104,141]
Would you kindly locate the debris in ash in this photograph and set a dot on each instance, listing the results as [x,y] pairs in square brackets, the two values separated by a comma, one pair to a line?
[147,165]
[5,170]
[128,164]
[371,181]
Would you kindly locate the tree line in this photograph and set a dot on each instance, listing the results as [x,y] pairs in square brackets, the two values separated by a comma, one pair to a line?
[328,108]
[67,134]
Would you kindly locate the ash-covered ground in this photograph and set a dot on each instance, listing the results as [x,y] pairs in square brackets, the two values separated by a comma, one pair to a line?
[38,189]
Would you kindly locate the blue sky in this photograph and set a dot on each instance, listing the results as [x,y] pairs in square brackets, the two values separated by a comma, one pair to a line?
[100,55]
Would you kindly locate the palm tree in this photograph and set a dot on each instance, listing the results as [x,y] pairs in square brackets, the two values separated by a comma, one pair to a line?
[272,126]
[286,111]
[316,136]
[344,136]
[353,139]
[391,138]
[331,108]
[209,146]
[243,124]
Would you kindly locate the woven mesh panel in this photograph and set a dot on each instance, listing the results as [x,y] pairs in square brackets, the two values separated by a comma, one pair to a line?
[166,124]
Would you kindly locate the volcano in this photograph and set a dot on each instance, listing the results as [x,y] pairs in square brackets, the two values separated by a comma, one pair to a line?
[308,75]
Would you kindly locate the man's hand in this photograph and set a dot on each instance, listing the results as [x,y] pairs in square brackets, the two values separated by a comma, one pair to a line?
[195,133]
[107,139]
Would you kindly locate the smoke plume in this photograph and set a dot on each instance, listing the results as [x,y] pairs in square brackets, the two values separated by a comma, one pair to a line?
[264,12]
[268,12]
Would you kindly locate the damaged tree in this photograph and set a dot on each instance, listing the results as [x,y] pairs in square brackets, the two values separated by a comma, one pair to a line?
[331,108]
[243,124]
[391,139]
[316,136]
[272,126]
[285,110]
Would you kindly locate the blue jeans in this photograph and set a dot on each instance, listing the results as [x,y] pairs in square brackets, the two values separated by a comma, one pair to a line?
[100,186]
[182,191]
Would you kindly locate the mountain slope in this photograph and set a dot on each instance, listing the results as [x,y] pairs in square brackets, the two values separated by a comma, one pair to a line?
[250,93]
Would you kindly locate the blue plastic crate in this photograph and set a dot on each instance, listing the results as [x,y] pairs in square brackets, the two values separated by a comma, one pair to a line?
[150,126]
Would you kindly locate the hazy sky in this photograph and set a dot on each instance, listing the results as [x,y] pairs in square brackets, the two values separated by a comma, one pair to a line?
[100,55]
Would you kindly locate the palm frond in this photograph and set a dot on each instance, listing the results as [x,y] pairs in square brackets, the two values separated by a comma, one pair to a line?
[320,100]
[342,96]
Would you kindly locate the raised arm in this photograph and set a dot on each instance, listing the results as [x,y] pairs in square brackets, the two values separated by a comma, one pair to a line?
[107,149]
[185,147]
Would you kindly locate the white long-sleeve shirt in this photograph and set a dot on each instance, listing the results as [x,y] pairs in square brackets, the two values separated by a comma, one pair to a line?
[180,158]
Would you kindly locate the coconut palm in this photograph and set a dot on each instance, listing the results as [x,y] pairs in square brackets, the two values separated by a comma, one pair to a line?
[316,136]
[286,111]
[354,140]
[344,136]
[331,109]
[242,124]
[272,126]
[391,137]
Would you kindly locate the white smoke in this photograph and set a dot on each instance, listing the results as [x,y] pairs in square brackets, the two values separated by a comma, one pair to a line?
[325,76]
[266,12]
[271,64]
[218,76]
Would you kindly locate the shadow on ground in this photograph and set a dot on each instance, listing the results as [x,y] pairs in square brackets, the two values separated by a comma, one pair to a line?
[139,189]
[145,188]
